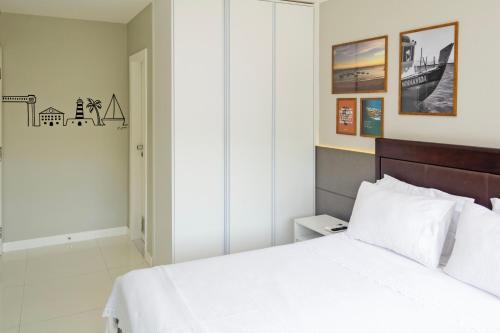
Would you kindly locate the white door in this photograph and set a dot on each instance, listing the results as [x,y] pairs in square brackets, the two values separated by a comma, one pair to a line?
[1,153]
[198,129]
[251,124]
[294,116]
[138,146]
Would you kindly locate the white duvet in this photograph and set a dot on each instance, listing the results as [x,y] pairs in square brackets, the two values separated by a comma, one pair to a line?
[330,284]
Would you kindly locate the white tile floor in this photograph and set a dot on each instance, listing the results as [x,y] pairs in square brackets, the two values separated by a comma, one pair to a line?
[62,288]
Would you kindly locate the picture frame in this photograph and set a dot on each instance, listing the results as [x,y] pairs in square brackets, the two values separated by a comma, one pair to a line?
[372,117]
[428,70]
[360,66]
[346,118]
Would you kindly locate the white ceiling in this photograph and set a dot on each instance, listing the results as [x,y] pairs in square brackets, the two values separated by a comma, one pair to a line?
[118,11]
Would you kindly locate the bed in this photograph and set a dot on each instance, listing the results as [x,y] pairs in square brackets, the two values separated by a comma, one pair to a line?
[330,284]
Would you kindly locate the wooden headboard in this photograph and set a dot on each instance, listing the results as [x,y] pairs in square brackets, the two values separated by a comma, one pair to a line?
[461,170]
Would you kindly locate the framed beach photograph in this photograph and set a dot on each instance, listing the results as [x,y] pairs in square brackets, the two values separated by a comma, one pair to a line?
[372,117]
[346,116]
[428,71]
[360,67]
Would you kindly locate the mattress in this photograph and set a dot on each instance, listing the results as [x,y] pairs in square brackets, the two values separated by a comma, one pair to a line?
[329,284]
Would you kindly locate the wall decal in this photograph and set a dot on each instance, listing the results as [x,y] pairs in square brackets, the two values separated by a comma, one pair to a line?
[30,101]
[80,119]
[94,105]
[111,112]
[52,117]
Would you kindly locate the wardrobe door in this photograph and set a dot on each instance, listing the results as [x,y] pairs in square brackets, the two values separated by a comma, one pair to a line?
[198,128]
[294,116]
[251,124]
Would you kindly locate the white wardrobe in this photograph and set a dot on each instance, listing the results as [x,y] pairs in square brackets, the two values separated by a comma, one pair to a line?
[243,124]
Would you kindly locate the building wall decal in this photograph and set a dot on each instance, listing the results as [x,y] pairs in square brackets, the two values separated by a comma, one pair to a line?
[52,117]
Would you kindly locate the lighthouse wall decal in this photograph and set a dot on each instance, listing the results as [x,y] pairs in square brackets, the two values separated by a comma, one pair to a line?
[79,109]
[80,120]
[53,117]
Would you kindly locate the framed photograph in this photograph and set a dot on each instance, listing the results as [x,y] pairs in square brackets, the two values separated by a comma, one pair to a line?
[360,67]
[428,71]
[346,116]
[372,117]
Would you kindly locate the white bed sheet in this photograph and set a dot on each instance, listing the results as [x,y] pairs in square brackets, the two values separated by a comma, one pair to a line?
[330,284]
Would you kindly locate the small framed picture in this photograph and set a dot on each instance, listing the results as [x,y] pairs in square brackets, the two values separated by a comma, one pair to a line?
[372,117]
[428,71]
[346,116]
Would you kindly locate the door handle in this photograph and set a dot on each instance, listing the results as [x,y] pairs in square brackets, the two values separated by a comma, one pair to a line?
[141,149]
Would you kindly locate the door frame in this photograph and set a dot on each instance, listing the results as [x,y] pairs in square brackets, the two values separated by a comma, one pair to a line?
[2,229]
[138,100]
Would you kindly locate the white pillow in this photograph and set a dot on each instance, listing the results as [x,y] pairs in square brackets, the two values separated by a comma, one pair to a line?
[414,226]
[476,256]
[394,184]
[496,205]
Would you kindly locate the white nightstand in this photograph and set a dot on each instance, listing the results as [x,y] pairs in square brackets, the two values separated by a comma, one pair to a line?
[315,226]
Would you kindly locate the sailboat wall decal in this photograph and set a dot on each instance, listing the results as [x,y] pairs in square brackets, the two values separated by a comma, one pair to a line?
[114,112]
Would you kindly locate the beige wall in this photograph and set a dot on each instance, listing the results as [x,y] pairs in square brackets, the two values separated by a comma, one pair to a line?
[139,37]
[63,180]
[478,120]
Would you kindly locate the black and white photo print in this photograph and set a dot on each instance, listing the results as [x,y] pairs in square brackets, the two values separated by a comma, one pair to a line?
[428,71]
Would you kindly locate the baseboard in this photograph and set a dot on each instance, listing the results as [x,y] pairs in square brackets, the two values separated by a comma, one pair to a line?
[64,239]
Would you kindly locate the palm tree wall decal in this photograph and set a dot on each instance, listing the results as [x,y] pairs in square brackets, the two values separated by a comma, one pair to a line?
[95,105]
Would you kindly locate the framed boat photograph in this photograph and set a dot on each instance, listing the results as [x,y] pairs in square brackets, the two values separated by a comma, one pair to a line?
[428,70]
[372,117]
[346,116]
[360,66]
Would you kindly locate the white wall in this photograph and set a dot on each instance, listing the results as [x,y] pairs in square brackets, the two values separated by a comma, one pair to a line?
[63,180]
[478,119]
